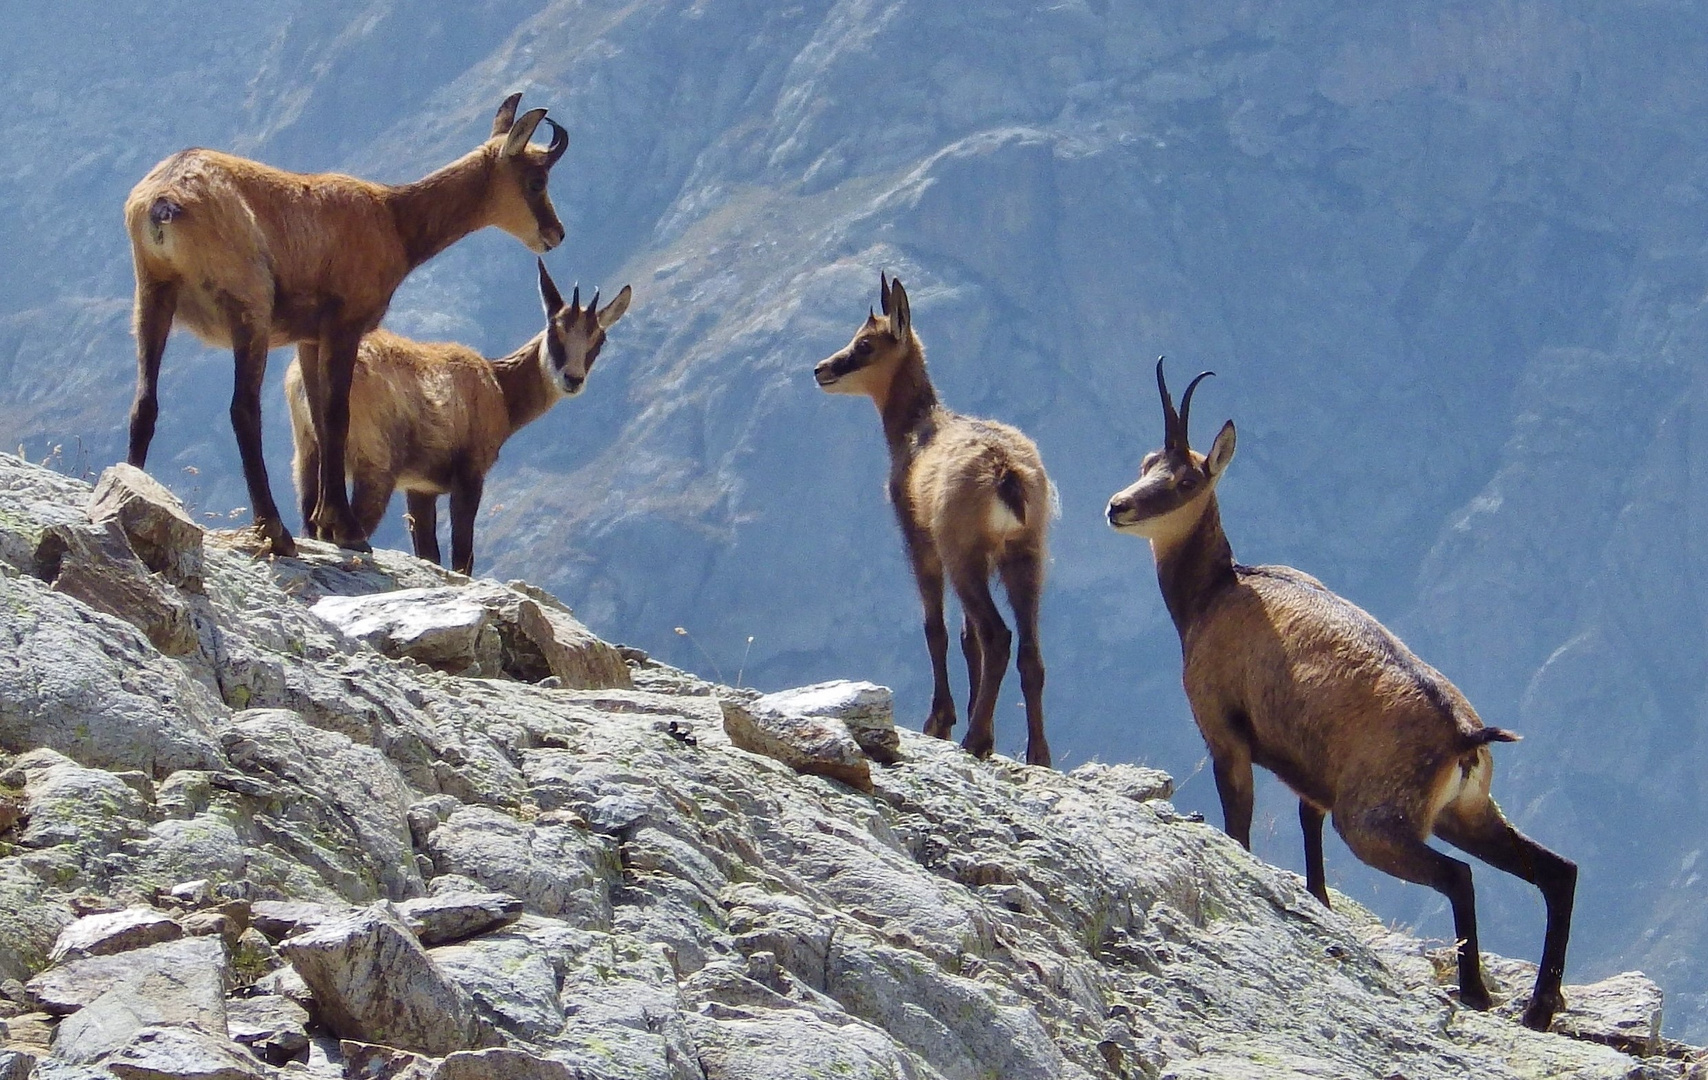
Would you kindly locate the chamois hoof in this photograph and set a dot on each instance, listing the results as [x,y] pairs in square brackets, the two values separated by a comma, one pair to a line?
[1539,1015]
[1476,998]
[938,727]
[980,749]
[1039,755]
[275,540]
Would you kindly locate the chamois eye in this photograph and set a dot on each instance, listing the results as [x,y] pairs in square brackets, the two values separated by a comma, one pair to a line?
[863,346]
[1187,483]
[537,184]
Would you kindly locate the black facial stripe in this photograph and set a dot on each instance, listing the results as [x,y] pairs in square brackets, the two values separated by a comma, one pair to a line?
[554,351]
[593,354]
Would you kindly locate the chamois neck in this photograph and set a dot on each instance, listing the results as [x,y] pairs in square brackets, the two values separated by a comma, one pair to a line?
[522,379]
[908,401]
[1194,567]
[444,206]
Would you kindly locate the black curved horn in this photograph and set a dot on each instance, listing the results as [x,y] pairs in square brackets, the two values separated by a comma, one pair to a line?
[559,143]
[1186,407]
[1170,418]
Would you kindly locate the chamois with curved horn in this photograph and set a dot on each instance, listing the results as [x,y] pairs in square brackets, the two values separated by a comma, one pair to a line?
[1282,673]
[972,499]
[431,418]
[248,256]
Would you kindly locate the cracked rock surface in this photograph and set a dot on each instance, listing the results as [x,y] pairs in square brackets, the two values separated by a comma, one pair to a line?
[282,853]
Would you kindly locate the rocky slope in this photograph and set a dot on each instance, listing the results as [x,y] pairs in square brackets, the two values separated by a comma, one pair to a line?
[356,816]
[1443,256]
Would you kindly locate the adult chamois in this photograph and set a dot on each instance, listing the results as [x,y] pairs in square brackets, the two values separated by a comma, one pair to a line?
[972,498]
[249,256]
[1283,673]
[431,418]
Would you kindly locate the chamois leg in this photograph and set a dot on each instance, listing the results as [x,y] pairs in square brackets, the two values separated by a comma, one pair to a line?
[1231,767]
[1311,822]
[1490,837]
[368,501]
[973,587]
[1383,838]
[334,516]
[306,465]
[465,505]
[424,524]
[928,575]
[309,363]
[1023,579]
[975,660]
[249,345]
[156,303]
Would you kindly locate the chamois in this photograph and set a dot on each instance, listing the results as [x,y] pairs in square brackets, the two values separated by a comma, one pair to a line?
[249,256]
[431,418]
[972,498]
[1283,673]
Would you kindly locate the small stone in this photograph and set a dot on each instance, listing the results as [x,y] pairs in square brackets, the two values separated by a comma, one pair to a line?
[154,522]
[451,916]
[820,745]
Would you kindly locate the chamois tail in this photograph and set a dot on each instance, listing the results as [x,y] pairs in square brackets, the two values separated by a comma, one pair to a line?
[1012,491]
[1484,736]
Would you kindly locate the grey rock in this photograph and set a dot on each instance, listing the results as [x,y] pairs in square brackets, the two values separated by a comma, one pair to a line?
[509,979]
[500,1063]
[372,981]
[1134,781]
[16,1064]
[178,1053]
[281,918]
[112,998]
[819,745]
[272,1026]
[557,870]
[1622,1011]
[94,564]
[449,916]
[867,709]
[97,935]
[153,521]
[366,1061]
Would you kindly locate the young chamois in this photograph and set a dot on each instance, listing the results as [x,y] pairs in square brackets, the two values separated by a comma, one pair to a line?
[431,418]
[249,256]
[1282,673]
[972,498]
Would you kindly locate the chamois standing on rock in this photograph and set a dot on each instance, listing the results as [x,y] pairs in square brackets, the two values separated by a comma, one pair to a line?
[431,418]
[249,256]
[1285,674]
[972,498]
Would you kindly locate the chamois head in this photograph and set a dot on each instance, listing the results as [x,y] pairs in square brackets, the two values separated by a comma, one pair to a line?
[868,363]
[522,207]
[574,334]
[1175,483]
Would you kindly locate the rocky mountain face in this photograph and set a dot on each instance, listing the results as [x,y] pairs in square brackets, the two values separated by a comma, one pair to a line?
[354,816]
[1442,257]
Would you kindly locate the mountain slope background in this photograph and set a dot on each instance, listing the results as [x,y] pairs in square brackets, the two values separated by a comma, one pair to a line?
[1446,259]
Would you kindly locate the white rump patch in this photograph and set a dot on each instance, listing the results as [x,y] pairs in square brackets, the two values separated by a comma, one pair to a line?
[1001,519]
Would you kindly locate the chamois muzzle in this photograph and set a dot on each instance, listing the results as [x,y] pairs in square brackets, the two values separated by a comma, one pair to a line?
[826,372]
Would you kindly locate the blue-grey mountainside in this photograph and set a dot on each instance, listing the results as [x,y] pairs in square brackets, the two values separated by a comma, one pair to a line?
[353,816]
[1446,258]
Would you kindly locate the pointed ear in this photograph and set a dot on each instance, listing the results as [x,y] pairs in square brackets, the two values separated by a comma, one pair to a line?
[1221,451]
[522,131]
[610,313]
[883,292]
[549,296]
[901,319]
[506,117]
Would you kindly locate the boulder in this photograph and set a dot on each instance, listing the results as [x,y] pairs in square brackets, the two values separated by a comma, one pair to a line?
[95,564]
[177,1053]
[1622,1011]
[154,522]
[445,917]
[118,931]
[866,708]
[1136,782]
[819,745]
[111,999]
[373,982]
[272,1026]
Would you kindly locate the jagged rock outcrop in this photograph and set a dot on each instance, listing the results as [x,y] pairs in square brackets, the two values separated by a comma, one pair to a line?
[322,861]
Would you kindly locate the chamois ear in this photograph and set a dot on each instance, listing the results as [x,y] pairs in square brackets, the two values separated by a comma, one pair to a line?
[883,292]
[506,117]
[549,296]
[1221,451]
[610,313]
[522,131]
[901,319]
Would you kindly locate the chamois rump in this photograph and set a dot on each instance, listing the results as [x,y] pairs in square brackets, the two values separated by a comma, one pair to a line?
[1283,673]
[972,498]
[431,418]
[249,256]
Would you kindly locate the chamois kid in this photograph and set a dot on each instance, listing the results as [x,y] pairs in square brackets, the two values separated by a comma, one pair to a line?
[1282,673]
[431,418]
[249,256]
[972,499]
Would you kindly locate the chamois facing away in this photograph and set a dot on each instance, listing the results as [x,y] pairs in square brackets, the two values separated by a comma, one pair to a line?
[972,498]
[1285,674]
[249,256]
[431,418]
